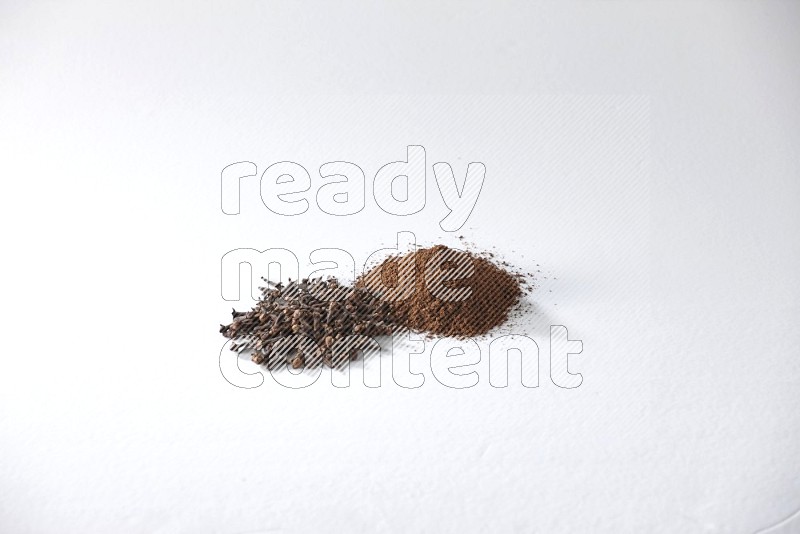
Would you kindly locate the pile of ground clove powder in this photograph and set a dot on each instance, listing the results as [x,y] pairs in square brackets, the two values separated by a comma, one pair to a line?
[477,299]
[435,291]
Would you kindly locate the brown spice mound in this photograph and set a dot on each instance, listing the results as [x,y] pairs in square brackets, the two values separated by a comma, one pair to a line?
[322,310]
[441,309]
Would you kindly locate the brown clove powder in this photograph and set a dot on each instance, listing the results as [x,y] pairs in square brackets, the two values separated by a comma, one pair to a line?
[493,291]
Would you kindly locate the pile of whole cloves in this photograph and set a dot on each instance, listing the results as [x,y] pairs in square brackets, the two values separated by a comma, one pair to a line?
[324,311]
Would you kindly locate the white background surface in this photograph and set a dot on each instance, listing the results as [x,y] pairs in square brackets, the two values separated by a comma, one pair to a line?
[643,154]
